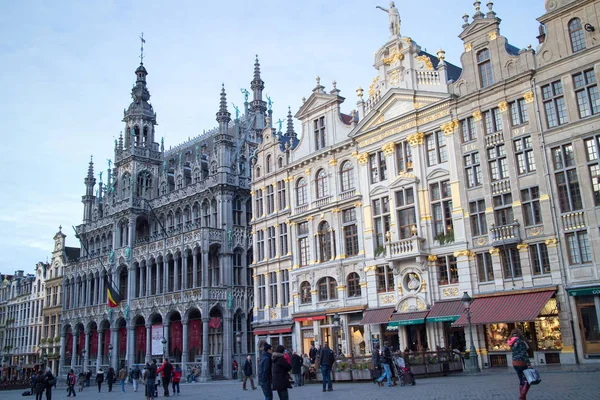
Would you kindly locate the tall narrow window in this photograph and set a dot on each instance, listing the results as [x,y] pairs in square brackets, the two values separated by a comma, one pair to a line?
[539,258]
[554,104]
[586,90]
[532,210]
[350,232]
[305,295]
[569,195]
[485,268]
[270,195]
[467,130]
[381,220]
[503,209]
[353,283]
[484,64]
[281,197]
[259,203]
[377,167]
[404,157]
[405,212]
[327,288]
[262,301]
[237,211]
[237,268]
[473,170]
[447,270]
[492,121]
[592,147]
[324,238]
[477,216]
[511,263]
[347,176]
[283,239]
[441,207]
[273,288]
[269,164]
[272,242]
[436,148]
[576,35]
[321,182]
[524,154]
[303,245]
[385,278]
[497,162]
[260,246]
[301,192]
[518,112]
[285,287]
[579,248]
[319,132]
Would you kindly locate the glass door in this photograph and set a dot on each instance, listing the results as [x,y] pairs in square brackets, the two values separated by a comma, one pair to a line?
[590,332]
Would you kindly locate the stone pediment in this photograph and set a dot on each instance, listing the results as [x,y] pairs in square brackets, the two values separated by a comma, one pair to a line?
[314,103]
[480,25]
[379,191]
[438,173]
[403,179]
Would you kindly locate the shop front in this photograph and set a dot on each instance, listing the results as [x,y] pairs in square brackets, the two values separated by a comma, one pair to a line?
[534,312]
[587,302]
[377,320]
[274,335]
[412,329]
[442,315]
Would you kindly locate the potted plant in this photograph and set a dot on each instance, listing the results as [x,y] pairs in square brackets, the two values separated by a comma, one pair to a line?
[342,371]
[379,251]
[360,372]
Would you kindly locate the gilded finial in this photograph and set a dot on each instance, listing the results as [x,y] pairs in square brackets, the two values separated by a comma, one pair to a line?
[441,55]
[490,6]
[359,93]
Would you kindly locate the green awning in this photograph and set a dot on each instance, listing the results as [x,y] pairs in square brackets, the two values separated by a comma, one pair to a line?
[410,318]
[446,311]
[449,318]
[586,291]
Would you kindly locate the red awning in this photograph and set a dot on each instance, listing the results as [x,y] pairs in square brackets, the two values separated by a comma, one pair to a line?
[313,318]
[408,318]
[377,316]
[506,308]
[446,311]
[272,330]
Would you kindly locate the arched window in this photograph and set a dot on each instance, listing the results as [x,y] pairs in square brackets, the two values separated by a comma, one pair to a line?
[257,172]
[301,193]
[170,221]
[347,175]
[327,288]
[576,34]
[125,185]
[353,284]
[178,219]
[484,65]
[205,214]
[213,208]
[237,211]
[238,268]
[322,184]
[269,164]
[280,162]
[144,184]
[305,296]
[324,237]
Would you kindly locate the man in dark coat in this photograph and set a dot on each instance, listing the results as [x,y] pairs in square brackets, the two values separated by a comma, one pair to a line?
[281,373]
[312,353]
[265,376]
[326,360]
[297,368]
[248,373]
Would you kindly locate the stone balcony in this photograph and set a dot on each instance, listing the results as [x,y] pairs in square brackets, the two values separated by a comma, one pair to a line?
[573,221]
[405,248]
[505,234]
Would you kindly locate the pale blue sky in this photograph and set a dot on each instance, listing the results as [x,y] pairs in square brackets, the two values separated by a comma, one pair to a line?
[67,67]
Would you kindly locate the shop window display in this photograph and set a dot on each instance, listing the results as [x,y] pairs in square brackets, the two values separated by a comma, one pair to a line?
[547,330]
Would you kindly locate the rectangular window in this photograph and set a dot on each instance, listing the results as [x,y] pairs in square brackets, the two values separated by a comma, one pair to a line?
[579,248]
[404,157]
[503,209]
[441,207]
[272,242]
[237,269]
[530,201]
[467,130]
[378,167]
[497,162]
[350,232]
[281,197]
[303,245]
[319,133]
[270,199]
[554,104]
[259,204]
[273,288]
[262,301]
[285,283]
[539,258]
[524,155]
[485,268]
[569,195]
[592,147]
[283,239]
[484,64]
[385,279]
[473,170]
[586,91]
[405,211]
[492,121]
[447,270]
[261,246]
[381,220]
[477,216]
[518,112]
[511,263]
[436,148]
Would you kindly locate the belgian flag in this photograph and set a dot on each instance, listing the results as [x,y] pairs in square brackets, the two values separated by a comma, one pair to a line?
[113,295]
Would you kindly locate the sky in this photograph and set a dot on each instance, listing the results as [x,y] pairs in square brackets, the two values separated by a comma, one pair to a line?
[67,68]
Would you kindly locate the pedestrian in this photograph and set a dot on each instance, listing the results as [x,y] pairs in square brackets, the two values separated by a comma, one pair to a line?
[306,363]
[176,380]
[150,378]
[386,362]
[376,357]
[234,367]
[312,353]
[296,363]
[136,374]
[122,377]
[110,378]
[520,359]
[166,369]
[88,377]
[71,380]
[32,382]
[265,376]
[100,379]
[81,381]
[281,373]
[286,356]
[326,360]
[40,385]
[248,373]
[50,381]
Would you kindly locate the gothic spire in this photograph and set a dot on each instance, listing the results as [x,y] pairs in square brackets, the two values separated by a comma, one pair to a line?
[90,174]
[257,85]
[290,124]
[223,116]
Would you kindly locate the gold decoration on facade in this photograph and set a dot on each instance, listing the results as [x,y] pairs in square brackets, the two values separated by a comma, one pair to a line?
[310,218]
[372,86]
[252,193]
[400,289]
[450,292]
[464,253]
[468,47]
[357,204]
[388,299]
[481,241]
[420,305]
[528,97]
[494,251]
[307,171]
[535,231]
[423,286]
[441,55]
[503,106]
[273,314]
[427,61]
[477,115]
[354,153]
[359,93]
[523,247]
[394,77]
[492,35]
[416,139]
[370,268]
[408,40]
[432,258]
[404,306]
[544,197]
[448,128]
[395,55]
[552,242]
[333,162]
[388,148]
[363,158]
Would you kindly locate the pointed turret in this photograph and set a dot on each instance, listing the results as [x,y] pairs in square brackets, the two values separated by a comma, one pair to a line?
[223,116]
[290,124]
[258,106]
[88,198]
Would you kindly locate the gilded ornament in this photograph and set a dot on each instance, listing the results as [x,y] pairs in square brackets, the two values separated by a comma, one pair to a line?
[492,35]
[528,97]
[423,286]
[477,115]
[416,139]
[481,241]
[503,106]
[395,55]
[432,258]
[535,231]
[354,154]
[372,86]
[464,253]
[468,47]
[388,148]
[450,292]
[448,128]
[363,158]
[273,314]
[427,61]
[333,162]
[552,242]
[494,251]
[359,93]
[523,247]
[307,171]
[420,305]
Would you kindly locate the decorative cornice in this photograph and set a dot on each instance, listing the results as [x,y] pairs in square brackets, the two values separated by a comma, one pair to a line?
[464,253]
[448,128]
[432,258]
[503,106]
[388,148]
[416,139]
[528,97]
[477,115]
[363,158]
[523,247]
[494,251]
[552,242]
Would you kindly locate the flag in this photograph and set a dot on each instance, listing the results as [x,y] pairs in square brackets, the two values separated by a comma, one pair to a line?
[113,295]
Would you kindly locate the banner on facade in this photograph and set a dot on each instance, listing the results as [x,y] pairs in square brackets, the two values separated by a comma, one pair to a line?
[157,336]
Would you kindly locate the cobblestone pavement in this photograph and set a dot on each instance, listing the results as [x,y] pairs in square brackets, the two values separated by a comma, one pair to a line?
[558,384]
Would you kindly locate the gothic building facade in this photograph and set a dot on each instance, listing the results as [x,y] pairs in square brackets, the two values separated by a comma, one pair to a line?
[170,230]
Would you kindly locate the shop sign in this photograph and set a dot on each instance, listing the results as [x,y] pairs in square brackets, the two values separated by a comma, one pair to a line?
[407,322]
[584,291]
[308,334]
[447,318]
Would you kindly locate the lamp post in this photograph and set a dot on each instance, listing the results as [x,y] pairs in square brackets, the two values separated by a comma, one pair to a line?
[83,359]
[45,360]
[467,300]
[164,343]
[238,339]
[110,349]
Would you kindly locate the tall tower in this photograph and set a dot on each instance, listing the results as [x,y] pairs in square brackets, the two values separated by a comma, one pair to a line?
[140,117]
[258,106]
[88,198]
[224,141]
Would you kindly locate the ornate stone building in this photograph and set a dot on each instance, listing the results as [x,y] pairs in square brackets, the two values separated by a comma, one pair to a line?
[170,229]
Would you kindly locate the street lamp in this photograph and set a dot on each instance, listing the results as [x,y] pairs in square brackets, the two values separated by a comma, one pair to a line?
[83,360]
[110,349]
[238,339]
[164,343]
[467,300]
[336,327]
[45,360]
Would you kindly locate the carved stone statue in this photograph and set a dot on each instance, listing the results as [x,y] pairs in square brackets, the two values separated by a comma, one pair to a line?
[413,282]
[128,253]
[109,161]
[230,236]
[394,19]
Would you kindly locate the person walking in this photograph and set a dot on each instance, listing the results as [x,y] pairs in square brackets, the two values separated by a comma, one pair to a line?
[88,377]
[166,369]
[122,377]
[176,380]
[376,357]
[520,359]
[326,360]
[265,377]
[306,363]
[81,381]
[150,378]
[40,385]
[50,381]
[136,374]
[312,353]
[281,373]
[248,373]
[386,362]
[234,367]
[100,379]
[110,378]
[296,361]
[71,380]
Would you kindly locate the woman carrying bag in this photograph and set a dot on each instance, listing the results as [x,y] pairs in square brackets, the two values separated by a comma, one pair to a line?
[520,360]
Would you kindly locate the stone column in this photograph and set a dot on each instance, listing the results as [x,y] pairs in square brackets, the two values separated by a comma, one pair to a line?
[131,282]
[130,356]
[279,290]
[148,342]
[148,278]
[267,292]
[205,366]
[140,292]
[195,268]
[176,271]
[167,337]
[205,266]
[157,288]
[185,350]
[61,361]
[100,348]
[227,350]
[74,351]
[165,274]
[114,357]
[86,356]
